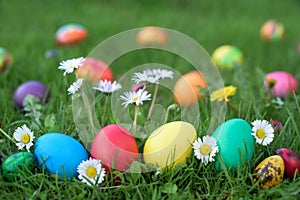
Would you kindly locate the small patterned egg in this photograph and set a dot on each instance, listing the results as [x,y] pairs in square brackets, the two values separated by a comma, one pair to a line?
[283,83]
[70,34]
[271,31]
[187,89]
[227,56]
[5,59]
[269,172]
[34,88]
[170,144]
[17,164]
[94,70]
[150,36]
[59,154]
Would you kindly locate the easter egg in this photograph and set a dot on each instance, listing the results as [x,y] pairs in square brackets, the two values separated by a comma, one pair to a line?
[5,59]
[34,88]
[94,70]
[187,89]
[70,34]
[17,164]
[235,143]
[115,147]
[170,144]
[151,36]
[59,153]
[227,56]
[281,83]
[291,161]
[269,172]
[271,30]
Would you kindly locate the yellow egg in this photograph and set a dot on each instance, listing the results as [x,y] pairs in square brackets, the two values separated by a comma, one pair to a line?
[170,144]
[269,172]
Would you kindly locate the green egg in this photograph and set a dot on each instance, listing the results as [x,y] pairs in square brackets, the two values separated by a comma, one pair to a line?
[16,164]
[235,143]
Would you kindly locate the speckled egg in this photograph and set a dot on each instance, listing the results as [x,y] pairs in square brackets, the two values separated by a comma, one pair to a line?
[94,70]
[17,164]
[291,161]
[170,144]
[115,146]
[269,172]
[59,153]
[235,142]
[151,36]
[281,83]
[187,89]
[227,56]
[70,34]
[5,59]
[271,30]
[34,88]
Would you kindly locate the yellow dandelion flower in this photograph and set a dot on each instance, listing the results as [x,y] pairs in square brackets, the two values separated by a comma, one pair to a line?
[223,93]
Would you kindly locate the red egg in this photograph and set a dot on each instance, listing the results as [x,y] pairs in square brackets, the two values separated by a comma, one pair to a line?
[94,70]
[149,36]
[115,147]
[281,83]
[291,161]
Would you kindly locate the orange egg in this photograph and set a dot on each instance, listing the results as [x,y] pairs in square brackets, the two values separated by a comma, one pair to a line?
[149,36]
[187,89]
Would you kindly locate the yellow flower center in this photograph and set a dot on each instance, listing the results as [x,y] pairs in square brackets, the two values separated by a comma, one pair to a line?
[25,138]
[205,149]
[134,99]
[261,133]
[91,172]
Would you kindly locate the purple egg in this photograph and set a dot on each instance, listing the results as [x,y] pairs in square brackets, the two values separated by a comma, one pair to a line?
[283,83]
[34,88]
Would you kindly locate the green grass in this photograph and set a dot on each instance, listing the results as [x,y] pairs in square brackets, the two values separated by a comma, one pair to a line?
[28,30]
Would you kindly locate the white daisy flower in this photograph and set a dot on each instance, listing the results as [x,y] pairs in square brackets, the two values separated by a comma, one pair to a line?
[135,97]
[263,132]
[163,73]
[206,150]
[75,86]
[152,76]
[91,172]
[24,137]
[107,86]
[70,65]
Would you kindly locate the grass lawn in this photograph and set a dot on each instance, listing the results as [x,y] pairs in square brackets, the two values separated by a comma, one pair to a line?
[28,31]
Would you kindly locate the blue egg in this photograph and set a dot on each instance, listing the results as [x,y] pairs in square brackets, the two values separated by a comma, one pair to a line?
[59,153]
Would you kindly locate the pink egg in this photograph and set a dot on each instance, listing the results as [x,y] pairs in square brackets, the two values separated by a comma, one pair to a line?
[283,83]
[115,147]
[94,70]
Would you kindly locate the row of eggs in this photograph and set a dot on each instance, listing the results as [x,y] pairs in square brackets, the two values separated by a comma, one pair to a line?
[116,148]
[186,89]
[70,34]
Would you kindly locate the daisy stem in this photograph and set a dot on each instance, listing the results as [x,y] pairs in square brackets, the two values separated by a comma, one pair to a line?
[87,104]
[235,110]
[6,135]
[104,110]
[153,100]
[135,119]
